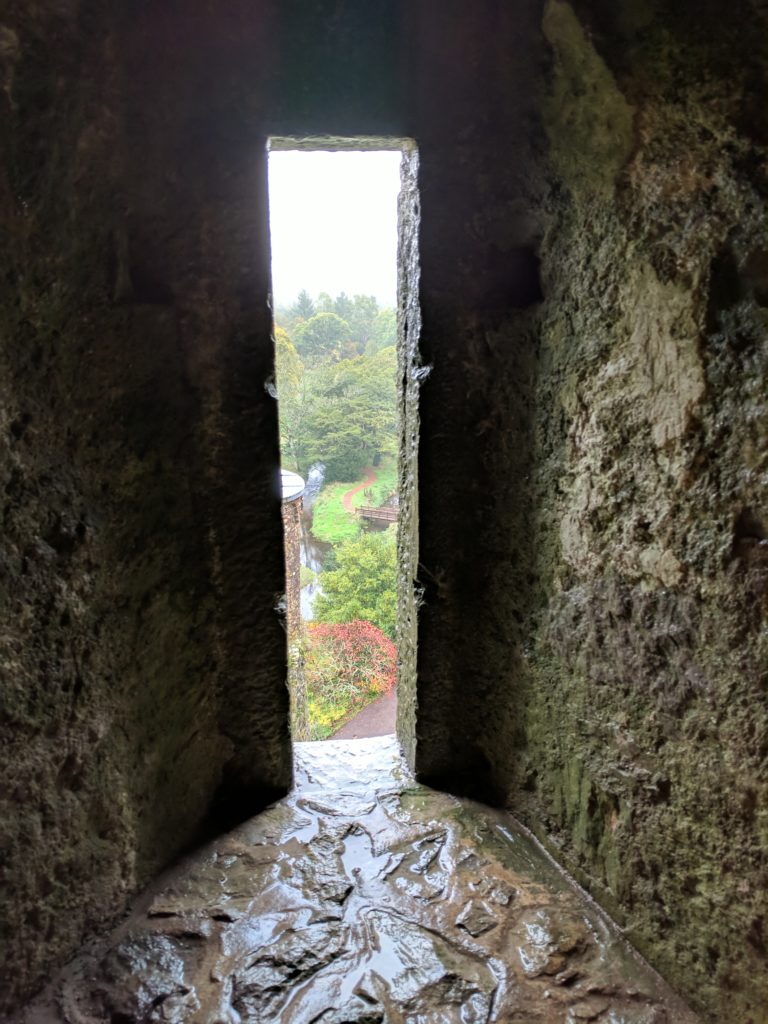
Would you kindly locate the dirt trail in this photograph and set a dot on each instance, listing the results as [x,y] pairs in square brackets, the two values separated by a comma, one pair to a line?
[370,478]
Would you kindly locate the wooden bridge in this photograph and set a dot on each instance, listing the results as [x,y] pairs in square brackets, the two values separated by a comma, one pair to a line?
[378,515]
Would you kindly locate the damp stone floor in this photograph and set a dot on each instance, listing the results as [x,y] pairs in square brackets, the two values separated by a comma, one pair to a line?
[361,898]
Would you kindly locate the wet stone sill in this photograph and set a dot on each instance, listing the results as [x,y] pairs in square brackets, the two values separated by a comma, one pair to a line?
[364,897]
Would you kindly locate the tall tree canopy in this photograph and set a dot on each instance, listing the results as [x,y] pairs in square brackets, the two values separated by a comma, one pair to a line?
[325,303]
[336,384]
[383,331]
[352,415]
[304,307]
[288,365]
[291,393]
[322,338]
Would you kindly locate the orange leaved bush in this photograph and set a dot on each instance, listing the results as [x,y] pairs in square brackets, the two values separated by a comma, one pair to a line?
[356,657]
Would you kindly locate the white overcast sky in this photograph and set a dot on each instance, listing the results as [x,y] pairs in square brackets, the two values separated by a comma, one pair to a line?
[333,221]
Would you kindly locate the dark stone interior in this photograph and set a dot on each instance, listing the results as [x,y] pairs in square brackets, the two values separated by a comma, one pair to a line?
[592,574]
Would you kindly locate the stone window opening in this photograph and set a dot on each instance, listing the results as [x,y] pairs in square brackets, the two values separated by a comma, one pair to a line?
[397,514]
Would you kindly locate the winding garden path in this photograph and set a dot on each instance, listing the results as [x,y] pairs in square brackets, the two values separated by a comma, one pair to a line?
[370,478]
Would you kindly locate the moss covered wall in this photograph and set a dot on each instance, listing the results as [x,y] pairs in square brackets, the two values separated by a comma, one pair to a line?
[643,754]
[142,660]
[143,656]
[591,473]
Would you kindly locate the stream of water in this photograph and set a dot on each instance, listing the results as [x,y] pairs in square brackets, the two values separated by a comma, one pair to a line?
[313,553]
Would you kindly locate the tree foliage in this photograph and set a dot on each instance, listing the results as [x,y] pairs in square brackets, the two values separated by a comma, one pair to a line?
[363,584]
[340,413]
[304,307]
[383,332]
[353,415]
[336,384]
[344,307]
[369,328]
[356,651]
[288,365]
[322,338]
[291,392]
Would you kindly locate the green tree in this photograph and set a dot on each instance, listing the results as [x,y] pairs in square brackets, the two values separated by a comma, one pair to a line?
[292,399]
[343,306]
[364,583]
[288,364]
[352,415]
[362,316]
[322,338]
[283,317]
[304,307]
[383,331]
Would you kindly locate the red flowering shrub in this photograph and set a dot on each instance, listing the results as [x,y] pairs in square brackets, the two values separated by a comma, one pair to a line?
[358,651]
[346,665]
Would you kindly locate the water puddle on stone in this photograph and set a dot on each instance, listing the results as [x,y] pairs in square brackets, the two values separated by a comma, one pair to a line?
[364,897]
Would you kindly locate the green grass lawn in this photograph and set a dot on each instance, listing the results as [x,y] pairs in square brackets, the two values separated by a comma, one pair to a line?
[330,520]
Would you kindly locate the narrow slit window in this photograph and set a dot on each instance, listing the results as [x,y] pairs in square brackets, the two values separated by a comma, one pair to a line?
[336,240]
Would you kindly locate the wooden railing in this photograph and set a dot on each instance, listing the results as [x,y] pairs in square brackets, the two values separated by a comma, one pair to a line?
[378,515]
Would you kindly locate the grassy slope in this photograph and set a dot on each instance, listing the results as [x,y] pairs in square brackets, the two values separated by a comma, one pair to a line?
[385,485]
[330,520]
